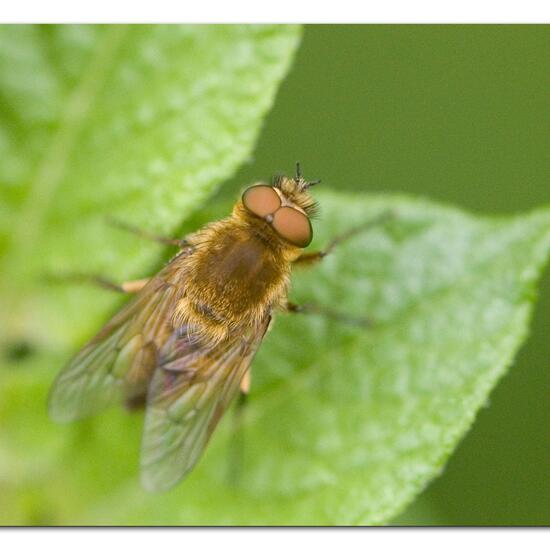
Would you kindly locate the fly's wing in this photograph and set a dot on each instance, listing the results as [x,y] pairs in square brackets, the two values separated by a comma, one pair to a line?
[188,394]
[118,363]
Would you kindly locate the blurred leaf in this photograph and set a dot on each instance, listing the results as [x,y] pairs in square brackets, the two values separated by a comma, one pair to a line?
[140,123]
[344,425]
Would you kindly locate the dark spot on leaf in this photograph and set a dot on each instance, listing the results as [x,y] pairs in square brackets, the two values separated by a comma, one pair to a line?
[18,351]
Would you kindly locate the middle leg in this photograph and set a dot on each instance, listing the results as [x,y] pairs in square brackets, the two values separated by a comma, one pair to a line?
[329,313]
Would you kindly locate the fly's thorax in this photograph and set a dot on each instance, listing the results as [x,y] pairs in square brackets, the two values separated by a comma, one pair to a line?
[233,278]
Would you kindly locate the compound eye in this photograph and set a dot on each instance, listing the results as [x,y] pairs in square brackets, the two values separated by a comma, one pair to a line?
[293,226]
[261,200]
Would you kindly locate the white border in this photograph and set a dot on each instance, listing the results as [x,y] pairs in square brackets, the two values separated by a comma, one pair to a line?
[267,539]
[276,11]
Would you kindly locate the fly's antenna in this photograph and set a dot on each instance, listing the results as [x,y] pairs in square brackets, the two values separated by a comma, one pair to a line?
[298,175]
[299,179]
[312,183]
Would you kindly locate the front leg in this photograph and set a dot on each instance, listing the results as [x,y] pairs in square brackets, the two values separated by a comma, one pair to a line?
[309,258]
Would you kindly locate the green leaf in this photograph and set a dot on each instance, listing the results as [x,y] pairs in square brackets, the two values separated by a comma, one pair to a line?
[140,123]
[344,425]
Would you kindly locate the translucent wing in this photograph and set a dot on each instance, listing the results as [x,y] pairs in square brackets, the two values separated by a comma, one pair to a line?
[188,394]
[117,364]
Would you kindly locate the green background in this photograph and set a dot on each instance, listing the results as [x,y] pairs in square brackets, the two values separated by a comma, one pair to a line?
[458,114]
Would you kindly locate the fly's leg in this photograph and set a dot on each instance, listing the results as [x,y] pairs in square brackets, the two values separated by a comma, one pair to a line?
[128,287]
[136,403]
[236,445]
[310,258]
[180,243]
[133,287]
[245,384]
[329,313]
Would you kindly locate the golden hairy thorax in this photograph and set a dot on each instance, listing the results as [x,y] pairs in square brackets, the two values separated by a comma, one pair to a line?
[237,273]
